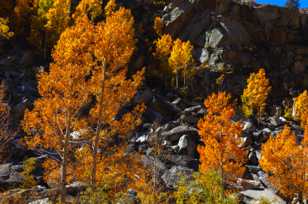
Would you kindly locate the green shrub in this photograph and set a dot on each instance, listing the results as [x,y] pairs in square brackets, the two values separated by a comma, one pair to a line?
[27,173]
[203,188]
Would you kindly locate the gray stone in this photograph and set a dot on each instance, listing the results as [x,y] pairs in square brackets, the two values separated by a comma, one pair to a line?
[5,170]
[204,56]
[172,176]
[247,125]
[183,142]
[182,160]
[216,57]
[41,201]
[213,38]
[142,139]
[192,109]
[153,162]
[175,133]
[250,184]
[255,195]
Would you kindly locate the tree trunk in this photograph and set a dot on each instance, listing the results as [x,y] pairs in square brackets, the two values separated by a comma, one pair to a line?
[64,160]
[176,80]
[98,129]
[184,77]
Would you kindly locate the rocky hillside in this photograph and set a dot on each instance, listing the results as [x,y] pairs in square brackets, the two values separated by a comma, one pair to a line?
[237,39]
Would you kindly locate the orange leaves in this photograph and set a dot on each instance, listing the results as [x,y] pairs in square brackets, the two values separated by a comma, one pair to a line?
[255,94]
[91,8]
[90,67]
[301,108]
[283,160]
[158,26]
[221,138]
[305,161]
[116,36]
[163,47]
[217,103]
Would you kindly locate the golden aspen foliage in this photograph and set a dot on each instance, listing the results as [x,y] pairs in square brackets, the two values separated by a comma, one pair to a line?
[221,138]
[181,55]
[64,91]
[28,167]
[39,37]
[255,94]
[180,59]
[89,61]
[203,188]
[282,160]
[305,162]
[91,8]
[301,108]
[109,83]
[5,29]
[58,18]
[163,47]
[116,171]
[158,25]
[175,57]
[110,7]
[117,38]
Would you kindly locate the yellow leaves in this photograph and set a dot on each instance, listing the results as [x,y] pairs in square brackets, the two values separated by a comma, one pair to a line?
[221,138]
[283,160]
[91,8]
[255,94]
[175,56]
[4,29]
[163,47]
[58,16]
[27,173]
[181,55]
[110,7]
[301,108]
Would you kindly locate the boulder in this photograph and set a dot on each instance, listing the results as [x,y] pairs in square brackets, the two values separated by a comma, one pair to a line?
[213,38]
[252,196]
[41,201]
[9,176]
[172,176]
[175,133]
[182,160]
